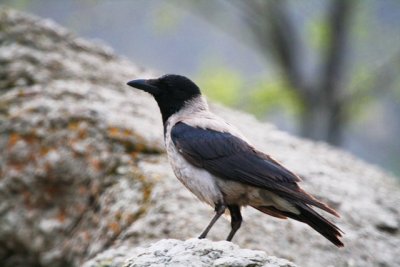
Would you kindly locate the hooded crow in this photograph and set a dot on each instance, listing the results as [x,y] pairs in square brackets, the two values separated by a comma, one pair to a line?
[219,165]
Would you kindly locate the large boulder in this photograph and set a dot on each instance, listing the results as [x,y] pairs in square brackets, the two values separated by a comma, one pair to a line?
[189,253]
[83,170]
[71,136]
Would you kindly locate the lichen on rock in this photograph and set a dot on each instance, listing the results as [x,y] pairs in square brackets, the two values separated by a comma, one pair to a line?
[70,144]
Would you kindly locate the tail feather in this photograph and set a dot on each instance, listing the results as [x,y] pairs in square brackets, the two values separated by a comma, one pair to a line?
[271,211]
[312,218]
[302,196]
[320,224]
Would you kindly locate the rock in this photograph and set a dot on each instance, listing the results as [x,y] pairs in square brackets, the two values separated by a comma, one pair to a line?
[83,172]
[70,140]
[192,252]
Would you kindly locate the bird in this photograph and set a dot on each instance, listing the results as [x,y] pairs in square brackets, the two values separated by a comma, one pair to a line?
[217,163]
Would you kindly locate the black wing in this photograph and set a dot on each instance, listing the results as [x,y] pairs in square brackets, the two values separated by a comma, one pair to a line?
[231,158]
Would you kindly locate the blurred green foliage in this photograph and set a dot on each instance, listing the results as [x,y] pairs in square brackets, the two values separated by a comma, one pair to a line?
[18,4]
[259,97]
[319,35]
[166,18]
[361,87]
[221,84]
[362,26]
[269,95]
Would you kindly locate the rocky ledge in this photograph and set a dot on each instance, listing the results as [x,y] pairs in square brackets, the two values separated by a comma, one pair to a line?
[192,252]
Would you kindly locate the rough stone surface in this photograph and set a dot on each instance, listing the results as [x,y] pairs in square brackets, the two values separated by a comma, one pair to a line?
[193,252]
[82,168]
[71,136]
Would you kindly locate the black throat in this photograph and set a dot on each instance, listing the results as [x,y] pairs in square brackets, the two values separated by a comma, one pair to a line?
[168,107]
[167,111]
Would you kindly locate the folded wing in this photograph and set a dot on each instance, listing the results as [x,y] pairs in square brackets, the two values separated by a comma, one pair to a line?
[232,158]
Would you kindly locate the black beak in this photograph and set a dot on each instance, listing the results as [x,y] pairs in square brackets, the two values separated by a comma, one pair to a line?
[145,85]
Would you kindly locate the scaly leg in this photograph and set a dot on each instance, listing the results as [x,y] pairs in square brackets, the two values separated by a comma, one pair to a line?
[219,210]
[236,220]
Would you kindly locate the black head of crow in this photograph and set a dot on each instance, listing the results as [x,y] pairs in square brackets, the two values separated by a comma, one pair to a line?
[220,166]
[170,91]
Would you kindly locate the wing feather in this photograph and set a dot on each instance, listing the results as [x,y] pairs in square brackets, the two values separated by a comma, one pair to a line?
[232,158]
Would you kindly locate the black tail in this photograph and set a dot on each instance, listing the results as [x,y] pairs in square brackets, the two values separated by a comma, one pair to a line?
[320,224]
[312,218]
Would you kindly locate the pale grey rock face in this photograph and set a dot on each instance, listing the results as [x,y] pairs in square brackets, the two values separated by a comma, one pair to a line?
[83,169]
[189,253]
[69,142]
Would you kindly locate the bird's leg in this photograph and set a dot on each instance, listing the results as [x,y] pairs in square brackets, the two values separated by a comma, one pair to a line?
[219,210]
[236,220]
